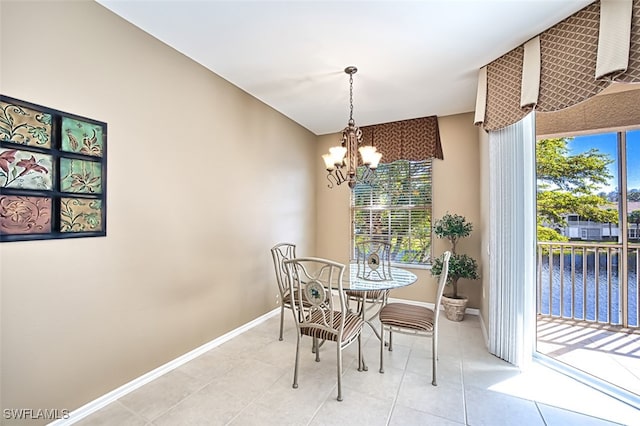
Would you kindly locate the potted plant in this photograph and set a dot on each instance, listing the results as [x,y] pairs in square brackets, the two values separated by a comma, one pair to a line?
[453,227]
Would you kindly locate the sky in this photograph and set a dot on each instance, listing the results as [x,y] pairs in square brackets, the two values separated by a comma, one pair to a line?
[607,143]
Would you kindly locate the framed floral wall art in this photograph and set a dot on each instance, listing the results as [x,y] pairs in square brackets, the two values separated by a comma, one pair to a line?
[53,169]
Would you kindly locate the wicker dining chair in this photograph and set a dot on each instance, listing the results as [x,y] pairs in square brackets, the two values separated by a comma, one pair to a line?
[415,320]
[327,318]
[281,252]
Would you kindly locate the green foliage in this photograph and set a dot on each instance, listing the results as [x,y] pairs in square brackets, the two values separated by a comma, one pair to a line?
[548,234]
[460,266]
[580,173]
[567,184]
[553,205]
[453,227]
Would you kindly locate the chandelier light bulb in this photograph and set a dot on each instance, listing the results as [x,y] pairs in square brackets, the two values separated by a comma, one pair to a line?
[367,153]
[338,153]
[329,162]
[377,156]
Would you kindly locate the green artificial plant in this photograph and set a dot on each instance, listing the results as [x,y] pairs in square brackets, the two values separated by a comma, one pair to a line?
[453,227]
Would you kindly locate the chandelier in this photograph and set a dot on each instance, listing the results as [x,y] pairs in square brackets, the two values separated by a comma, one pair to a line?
[342,160]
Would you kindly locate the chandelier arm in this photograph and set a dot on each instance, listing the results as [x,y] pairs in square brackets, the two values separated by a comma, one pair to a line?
[340,177]
[329,176]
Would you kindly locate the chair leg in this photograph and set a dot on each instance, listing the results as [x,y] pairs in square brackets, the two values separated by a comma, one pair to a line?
[315,345]
[295,369]
[434,355]
[339,371]
[361,365]
[390,340]
[381,347]
[281,320]
[360,357]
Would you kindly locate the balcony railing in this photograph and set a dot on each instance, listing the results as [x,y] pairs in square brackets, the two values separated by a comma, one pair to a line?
[589,282]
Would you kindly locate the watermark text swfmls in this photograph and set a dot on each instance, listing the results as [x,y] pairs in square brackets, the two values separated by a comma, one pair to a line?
[35,413]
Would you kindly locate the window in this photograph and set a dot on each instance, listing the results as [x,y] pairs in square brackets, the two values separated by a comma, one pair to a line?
[573,218]
[396,209]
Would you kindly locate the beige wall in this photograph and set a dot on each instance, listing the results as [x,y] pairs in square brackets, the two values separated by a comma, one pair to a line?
[202,180]
[456,190]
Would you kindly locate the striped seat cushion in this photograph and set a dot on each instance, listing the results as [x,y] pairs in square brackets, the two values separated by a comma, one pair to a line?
[407,316]
[352,326]
[370,295]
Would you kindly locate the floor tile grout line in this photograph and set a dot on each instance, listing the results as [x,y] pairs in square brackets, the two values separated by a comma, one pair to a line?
[252,401]
[151,420]
[195,391]
[324,401]
[540,412]
[464,388]
[135,413]
[395,400]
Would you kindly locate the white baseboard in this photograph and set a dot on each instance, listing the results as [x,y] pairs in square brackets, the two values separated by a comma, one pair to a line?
[103,401]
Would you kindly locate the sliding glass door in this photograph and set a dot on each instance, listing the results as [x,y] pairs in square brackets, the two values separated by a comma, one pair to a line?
[588,220]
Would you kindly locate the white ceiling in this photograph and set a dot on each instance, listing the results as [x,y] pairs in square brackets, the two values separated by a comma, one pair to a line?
[414,58]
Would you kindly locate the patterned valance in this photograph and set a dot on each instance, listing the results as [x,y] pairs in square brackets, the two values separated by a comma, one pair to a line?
[578,58]
[569,54]
[416,139]
[504,79]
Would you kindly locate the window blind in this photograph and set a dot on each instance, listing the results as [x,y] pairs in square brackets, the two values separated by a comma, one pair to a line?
[396,208]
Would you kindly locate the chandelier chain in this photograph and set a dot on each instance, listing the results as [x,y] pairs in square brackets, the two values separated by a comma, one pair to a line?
[351,97]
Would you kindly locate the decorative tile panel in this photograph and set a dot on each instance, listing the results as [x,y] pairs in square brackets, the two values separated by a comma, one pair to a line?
[25,170]
[82,137]
[80,176]
[24,215]
[80,215]
[24,126]
[52,173]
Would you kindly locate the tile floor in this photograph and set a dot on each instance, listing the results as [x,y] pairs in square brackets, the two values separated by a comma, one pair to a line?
[247,381]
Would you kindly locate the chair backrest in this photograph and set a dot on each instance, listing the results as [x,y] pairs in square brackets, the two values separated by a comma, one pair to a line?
[442,282]
[374,260]
[311,280]
[281,252]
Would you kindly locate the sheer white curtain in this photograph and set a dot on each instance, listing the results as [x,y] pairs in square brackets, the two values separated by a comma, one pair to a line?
[512,179]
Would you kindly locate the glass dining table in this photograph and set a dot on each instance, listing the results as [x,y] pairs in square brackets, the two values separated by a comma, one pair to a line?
[398,278]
